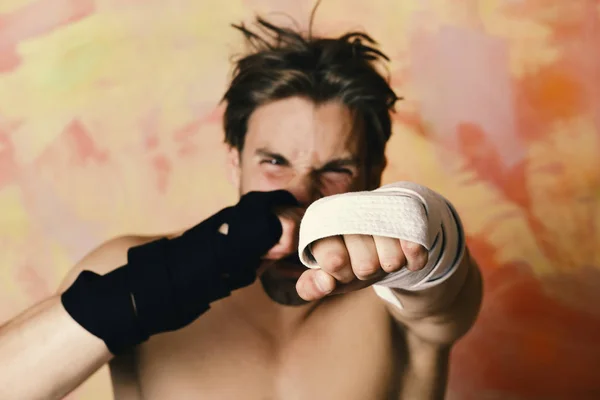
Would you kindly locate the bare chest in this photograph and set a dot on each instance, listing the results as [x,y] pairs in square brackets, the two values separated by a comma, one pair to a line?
[348,353]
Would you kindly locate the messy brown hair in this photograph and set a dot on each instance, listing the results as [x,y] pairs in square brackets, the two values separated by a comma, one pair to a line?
[284,63]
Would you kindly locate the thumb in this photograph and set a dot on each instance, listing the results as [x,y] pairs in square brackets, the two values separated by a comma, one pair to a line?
[315,284]
[289,219]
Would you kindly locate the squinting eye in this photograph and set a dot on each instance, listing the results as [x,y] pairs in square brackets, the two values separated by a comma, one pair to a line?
[341,171]
[271,161]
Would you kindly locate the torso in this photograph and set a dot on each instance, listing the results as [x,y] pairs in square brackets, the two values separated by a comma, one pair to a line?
[347,348]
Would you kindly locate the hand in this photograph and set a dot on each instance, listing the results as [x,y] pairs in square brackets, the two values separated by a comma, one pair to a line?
[174,280]
[353,262]
[289,217]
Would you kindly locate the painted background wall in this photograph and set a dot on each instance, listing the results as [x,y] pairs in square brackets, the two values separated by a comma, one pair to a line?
[109,124]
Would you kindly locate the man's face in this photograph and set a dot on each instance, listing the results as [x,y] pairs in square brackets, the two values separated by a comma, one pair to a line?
[310,150]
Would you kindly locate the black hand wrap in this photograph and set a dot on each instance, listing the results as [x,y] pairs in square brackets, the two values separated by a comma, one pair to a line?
[168,283]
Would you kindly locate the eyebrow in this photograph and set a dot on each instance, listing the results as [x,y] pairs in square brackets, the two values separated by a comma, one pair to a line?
[262,152]
[349,161]
[340,162]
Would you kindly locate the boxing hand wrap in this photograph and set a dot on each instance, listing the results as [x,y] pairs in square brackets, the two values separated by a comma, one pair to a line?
[168,283]
[402,210]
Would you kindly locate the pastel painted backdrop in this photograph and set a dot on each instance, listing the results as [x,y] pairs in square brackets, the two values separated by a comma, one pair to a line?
[110,124]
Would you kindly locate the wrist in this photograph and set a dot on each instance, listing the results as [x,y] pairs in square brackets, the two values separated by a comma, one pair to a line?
[425,356]
[103,306]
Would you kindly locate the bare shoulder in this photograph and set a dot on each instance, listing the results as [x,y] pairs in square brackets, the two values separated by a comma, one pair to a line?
[108,256]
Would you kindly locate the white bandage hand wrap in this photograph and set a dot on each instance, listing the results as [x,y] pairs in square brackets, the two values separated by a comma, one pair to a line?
[402,210]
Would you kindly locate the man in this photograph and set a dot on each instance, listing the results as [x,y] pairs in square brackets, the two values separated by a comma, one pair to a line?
[186,317]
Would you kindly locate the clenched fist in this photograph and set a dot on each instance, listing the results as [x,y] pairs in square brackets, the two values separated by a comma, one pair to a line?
[353,262]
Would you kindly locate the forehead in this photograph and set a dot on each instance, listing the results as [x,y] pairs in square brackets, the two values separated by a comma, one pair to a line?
[299,127]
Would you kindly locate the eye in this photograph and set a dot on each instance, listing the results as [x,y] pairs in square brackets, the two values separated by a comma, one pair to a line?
[339,170]
[272,161]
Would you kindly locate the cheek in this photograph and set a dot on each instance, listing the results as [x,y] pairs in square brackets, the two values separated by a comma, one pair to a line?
[331,185]
[262,178]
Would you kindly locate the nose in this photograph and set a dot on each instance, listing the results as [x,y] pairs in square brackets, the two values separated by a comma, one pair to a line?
[305,188]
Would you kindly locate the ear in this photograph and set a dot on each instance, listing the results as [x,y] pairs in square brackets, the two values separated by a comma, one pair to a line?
[233,166]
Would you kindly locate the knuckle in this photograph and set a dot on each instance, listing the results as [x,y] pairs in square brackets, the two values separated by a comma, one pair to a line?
[393,262]
[287,248]
[287,222]
[365,267]
[334,261]
[413,250]
[289,229]
[286,237]
[421,261]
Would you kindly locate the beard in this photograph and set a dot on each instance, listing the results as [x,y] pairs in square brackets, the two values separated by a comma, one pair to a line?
[280,278]
[279,281]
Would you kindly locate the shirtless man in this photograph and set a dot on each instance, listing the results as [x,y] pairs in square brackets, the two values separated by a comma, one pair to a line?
[187,318]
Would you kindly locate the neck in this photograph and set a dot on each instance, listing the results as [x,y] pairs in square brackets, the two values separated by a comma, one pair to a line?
[277,321]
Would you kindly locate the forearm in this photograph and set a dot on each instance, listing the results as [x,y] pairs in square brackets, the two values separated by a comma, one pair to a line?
[45,354]
[436,299]
[426,373]
[162,285]
[449,312]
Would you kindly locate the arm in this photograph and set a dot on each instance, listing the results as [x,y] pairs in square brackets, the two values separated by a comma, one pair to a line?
[430,320]
[45,354]
[131,289]
[426,370]
[433,320]
[353,241]
[442,314]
